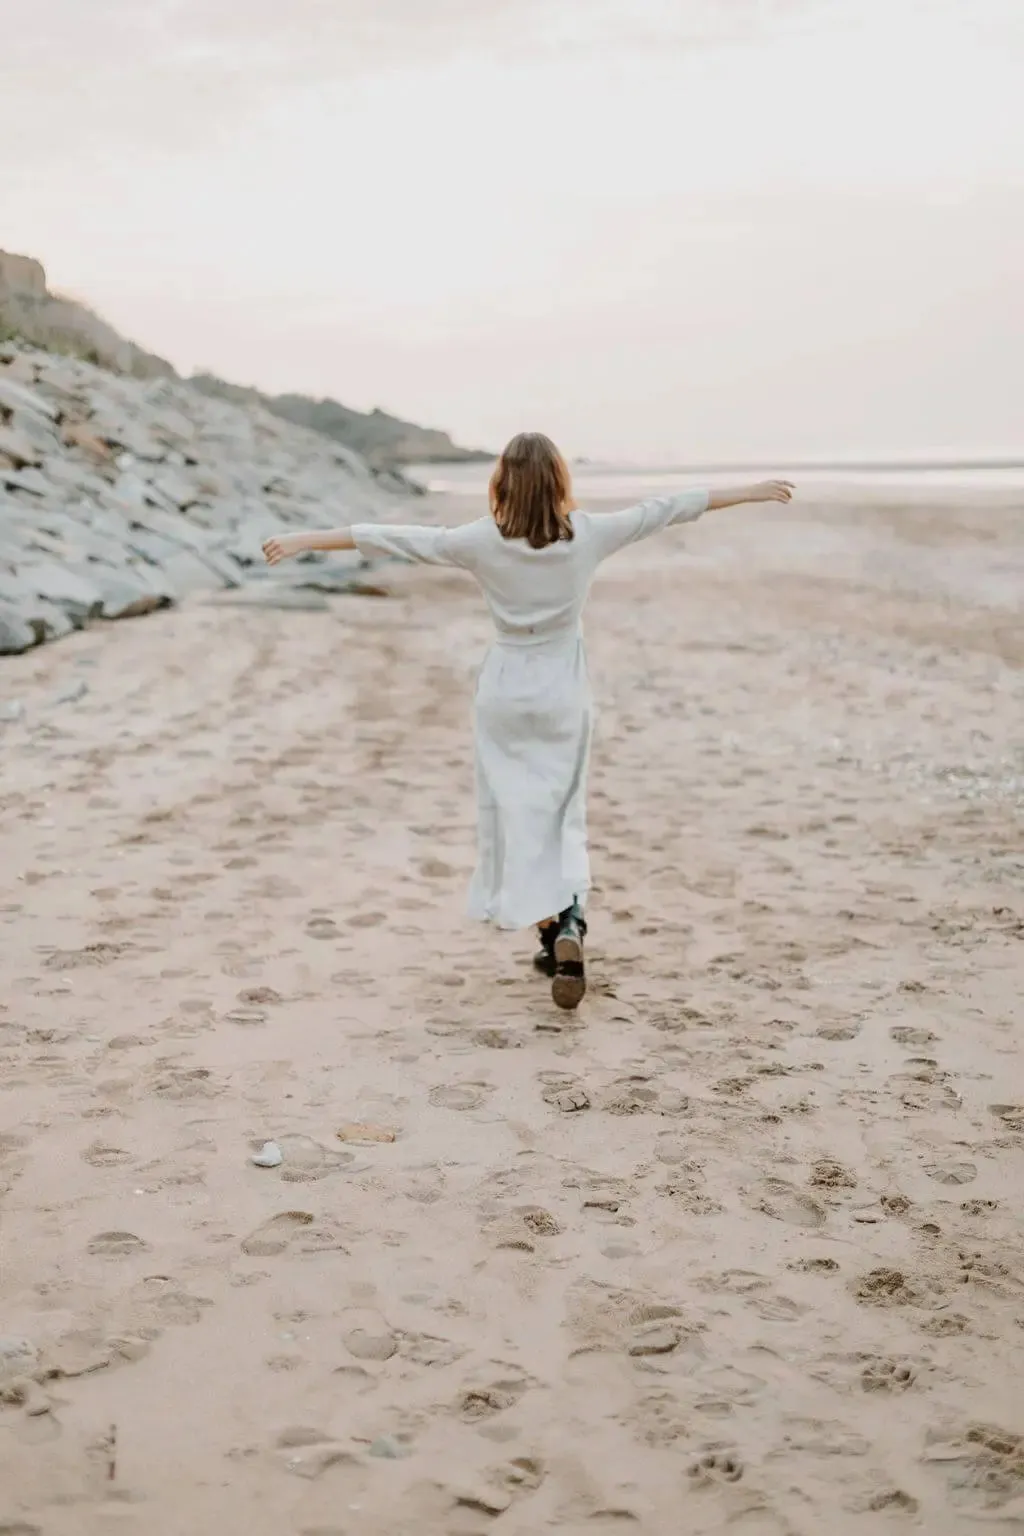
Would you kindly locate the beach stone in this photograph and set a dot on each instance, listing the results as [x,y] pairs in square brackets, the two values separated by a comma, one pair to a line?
[387,1448]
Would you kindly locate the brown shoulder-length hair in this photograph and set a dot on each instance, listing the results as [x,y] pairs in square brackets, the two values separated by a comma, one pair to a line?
[531,492]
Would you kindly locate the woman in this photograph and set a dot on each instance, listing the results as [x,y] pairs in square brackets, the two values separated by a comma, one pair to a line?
[534,557]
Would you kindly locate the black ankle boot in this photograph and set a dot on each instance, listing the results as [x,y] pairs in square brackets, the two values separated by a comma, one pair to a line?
[570,979]
[544,959]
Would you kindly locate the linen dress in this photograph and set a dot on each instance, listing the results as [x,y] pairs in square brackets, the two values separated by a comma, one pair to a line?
[533,708]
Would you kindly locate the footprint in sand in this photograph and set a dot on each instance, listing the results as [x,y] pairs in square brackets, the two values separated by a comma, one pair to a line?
[777,1309]
[368,1336]
[829,1174]
[518,1228]
[639,1094]
[156,1301]
[178,1084]
[952,1173]
[887,1376]
[929,1095]
[256,997]
[459,1095]
[984,1465]
[1012,1115]
[725,1386]
[483,1402]
[367,920]
[322,928]
[306,1161]
[776,1198]
[116,1245]
[275,1235]
[903,1034]
[101,1156]
[715,1467]
[563,1092]
[838,1032]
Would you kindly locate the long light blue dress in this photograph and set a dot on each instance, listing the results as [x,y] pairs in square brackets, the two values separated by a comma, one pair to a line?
[534,713]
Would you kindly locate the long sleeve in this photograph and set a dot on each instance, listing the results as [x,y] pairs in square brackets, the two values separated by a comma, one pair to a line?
[612,531]
[424,545]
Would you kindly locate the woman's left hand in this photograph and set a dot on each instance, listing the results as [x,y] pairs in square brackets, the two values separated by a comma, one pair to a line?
[772,490]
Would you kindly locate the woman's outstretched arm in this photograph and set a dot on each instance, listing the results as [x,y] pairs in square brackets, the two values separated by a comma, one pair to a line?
[763,490]
[612,531]
[424,545]
[285,545]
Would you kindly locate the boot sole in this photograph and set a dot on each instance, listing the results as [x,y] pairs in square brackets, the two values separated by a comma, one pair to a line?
[568,988]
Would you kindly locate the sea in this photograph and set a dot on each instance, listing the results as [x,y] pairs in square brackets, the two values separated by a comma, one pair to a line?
[1001,480]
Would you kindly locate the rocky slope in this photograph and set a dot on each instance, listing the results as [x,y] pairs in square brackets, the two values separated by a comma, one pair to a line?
[30,312]
[384,441]
[119,495]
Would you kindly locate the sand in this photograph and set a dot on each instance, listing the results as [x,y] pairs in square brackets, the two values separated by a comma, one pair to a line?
[736,1249]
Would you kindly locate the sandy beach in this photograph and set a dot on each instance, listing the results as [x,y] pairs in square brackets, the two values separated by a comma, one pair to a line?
[737,1249]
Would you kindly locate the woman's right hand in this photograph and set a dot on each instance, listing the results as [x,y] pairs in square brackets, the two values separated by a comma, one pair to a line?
[772,490]
[283,547]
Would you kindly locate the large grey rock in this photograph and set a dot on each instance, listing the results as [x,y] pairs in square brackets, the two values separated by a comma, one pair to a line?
[18,446]
[176,487]
[125,594]
[151,546]
[18,397]
[79,597]
[30,480]
[35,616]
[176,530]
[188,572]
[16,633]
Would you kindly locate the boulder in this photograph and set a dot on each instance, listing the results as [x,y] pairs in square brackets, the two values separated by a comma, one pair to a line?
[16,633]
[19,397]
[125,594]
[78,596]
[18,448]
[188,572]
[29,480]
[76,434]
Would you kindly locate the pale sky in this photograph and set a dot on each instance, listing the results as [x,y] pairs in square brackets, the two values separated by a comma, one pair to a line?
[667,230]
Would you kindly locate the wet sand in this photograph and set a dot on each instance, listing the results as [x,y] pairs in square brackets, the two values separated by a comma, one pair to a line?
[738,1249]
